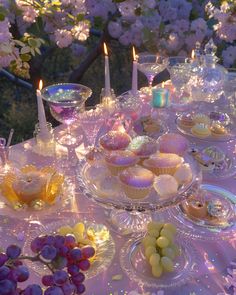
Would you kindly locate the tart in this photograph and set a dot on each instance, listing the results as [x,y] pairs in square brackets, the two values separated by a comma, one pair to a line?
[201,130]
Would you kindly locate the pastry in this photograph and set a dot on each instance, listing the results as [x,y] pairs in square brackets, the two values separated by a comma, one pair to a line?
[183,174]
[119,160]
[218,130]
[173,143]
[186,121]
[201,130]
[150,125]
[115,140]
[136,181]
[162,163]
[201,118]
[165,185]
[30,186]
[196,208]
[143,146]
[206,162]
[215,153]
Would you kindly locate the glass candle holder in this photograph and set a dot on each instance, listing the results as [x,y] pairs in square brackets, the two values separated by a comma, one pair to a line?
[108,102]
[160,97]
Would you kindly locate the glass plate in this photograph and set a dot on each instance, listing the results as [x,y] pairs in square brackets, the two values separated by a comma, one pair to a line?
[138,128]
[134,264]
[152,202]
[203,229]
[230,128]
[105,250]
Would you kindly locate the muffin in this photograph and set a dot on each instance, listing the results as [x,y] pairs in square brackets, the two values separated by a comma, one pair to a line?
[173,143]
[119,160]
[218,130]
[143,146]
[115,140]
[201,130]
[165,185]
[186,121]
[183,174]
[162,163]
[201,118]
[136,182]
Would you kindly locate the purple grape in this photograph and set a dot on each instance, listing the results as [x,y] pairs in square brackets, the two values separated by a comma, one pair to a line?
[4,272]
[20,273]
[37,244]
[59,262]
[54,291]
[69,288]
[33,290]
[7,287]
[13,251]
[60,277]
[80,289]
[49,240]
[75,255]
[3,258]
[84,264]
[48,252]
[88,251]
[59,241]
[47,280]
[78,279]
[70,241]
[63,250]
[73,269]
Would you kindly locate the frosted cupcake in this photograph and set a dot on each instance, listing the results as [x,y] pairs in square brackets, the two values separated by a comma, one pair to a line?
[201,130]
[136,182]
[165,185]
[201,118]
[162,163]
[143,146]
[119,160]
[183,174]
[173,143]
[115,140]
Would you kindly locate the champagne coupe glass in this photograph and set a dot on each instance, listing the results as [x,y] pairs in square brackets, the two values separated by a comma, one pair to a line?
[65,101]
[151,65]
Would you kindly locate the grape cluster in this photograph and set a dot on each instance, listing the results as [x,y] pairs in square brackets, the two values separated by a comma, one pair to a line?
[160,249]
[62,256]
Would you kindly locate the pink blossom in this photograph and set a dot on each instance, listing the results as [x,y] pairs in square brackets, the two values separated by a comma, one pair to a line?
[229,56]
[63,38]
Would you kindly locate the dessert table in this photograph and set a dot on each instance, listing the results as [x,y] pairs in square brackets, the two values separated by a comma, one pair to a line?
[211,257]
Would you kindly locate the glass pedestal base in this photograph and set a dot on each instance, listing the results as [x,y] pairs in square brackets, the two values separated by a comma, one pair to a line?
[68,139]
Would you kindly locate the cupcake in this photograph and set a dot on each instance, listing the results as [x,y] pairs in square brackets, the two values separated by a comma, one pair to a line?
[186,121]
[173,143]
[201,130]
[218,130]
[115,140]
[201,118]
[165,185]
[162,163]
[183,174]
[143,146]
[136,182]
[119,160]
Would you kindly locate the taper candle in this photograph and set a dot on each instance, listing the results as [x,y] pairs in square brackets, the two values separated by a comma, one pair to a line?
[134,74]
[107,73]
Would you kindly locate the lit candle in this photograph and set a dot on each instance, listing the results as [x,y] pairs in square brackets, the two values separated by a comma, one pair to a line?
[193,54]
[134,74]
[44,133]
[107,73]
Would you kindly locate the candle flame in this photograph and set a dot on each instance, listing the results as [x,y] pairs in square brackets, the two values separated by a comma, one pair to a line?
[40,85]
[121,128]
[105,48]
[163,85]
[193,54]
[134,54]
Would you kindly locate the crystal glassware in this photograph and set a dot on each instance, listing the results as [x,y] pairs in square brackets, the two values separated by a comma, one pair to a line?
[65,101]
[151,65]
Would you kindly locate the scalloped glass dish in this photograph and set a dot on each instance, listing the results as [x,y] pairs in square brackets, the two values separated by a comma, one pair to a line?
[105,247]
[205,229]
[151,202]
[134,264]
[231,131]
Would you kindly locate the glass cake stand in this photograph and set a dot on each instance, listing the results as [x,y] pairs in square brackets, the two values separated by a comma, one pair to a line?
[131,215]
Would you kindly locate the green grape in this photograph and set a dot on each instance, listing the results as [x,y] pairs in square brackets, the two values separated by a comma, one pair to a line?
[154,233]
[79,227]
[176,249]
[168,252]
[168,234]
[171,227]
[162,242]
[154,225]
[149,251]
[167,263]
[149,241]
[157,270]
[154,259]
